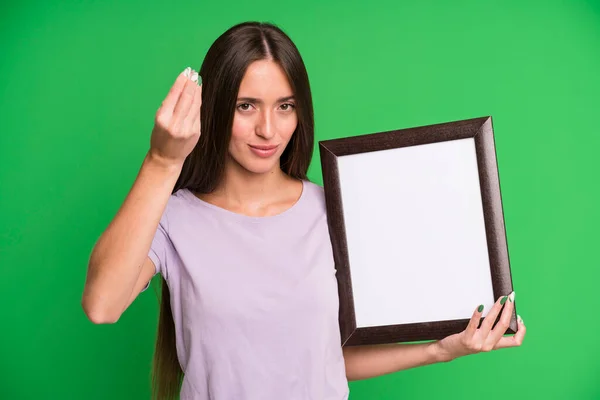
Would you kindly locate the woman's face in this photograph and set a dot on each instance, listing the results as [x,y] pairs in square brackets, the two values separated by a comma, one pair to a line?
[264,119]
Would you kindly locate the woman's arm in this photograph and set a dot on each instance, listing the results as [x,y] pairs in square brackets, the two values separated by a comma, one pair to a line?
[119,265]
[116,262]
[364,362]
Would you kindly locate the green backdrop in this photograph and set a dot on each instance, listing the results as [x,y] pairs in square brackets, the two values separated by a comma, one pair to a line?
[80,82]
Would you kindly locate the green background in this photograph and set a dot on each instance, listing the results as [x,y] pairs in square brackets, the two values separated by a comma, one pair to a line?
[80,83]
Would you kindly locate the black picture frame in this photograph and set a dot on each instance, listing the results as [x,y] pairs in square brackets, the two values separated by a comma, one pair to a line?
[333,151]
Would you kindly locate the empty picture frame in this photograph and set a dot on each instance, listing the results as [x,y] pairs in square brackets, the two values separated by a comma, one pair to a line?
[417,229]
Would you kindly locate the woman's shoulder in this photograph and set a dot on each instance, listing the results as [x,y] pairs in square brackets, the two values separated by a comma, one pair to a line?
[178,205]
[180,198]
[315,194]
[314,190]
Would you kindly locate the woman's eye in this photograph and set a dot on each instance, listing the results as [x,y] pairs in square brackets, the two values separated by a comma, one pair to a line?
[244,106]
[287,106]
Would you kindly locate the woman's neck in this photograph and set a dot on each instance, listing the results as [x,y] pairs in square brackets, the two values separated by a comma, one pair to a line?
[254,194]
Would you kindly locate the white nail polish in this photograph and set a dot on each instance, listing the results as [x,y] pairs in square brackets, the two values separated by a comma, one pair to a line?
[512,297]
[194,76]
[187,72]
[519,319]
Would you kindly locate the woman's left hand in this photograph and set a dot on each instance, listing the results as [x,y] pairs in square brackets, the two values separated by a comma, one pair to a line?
[475,340]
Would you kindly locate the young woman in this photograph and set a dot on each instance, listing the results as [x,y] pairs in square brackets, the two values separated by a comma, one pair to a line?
[223,210]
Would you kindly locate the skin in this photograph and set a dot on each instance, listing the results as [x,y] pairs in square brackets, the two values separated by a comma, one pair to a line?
[265,115]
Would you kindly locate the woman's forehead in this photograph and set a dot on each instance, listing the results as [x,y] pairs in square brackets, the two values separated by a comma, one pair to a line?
[265,80]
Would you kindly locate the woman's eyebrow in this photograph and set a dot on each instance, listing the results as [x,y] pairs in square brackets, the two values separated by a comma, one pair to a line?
[258,101]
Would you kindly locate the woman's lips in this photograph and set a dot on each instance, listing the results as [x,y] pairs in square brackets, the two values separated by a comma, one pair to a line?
[263,151]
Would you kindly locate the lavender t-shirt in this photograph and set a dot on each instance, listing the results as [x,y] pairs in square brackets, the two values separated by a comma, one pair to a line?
[254,300]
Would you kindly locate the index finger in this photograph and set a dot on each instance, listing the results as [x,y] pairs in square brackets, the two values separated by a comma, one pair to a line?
[168,104]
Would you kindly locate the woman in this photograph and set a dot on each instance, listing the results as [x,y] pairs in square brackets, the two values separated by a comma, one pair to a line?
[223,210]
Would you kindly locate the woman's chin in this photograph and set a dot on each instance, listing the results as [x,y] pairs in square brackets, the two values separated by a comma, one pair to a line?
[256,165]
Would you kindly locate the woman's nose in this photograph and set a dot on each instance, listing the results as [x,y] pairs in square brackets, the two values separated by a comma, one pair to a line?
[265,127]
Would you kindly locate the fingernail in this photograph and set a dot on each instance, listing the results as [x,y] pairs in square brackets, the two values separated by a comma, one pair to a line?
[480,309]
[194,76]
[511,297]
[187,72]
[519,319]
[503,300]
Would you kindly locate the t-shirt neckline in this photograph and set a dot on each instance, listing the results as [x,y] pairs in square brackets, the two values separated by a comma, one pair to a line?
[242,217]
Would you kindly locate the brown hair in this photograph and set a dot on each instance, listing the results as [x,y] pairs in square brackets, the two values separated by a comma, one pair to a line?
[222,71]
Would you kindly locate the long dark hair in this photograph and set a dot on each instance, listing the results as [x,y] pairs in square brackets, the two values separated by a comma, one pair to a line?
[222,71]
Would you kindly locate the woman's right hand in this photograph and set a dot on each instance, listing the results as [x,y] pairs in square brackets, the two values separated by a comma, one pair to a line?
[177,122]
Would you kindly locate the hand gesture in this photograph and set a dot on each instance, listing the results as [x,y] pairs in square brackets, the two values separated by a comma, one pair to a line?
[177,122]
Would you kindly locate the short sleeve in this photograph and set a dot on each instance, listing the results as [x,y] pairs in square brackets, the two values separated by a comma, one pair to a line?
[160,248]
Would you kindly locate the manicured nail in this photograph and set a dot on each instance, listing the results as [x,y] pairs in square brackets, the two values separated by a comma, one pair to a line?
[519,319]
[194,76]
[187,72]
[503,300]
[480,309]
[511,297]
